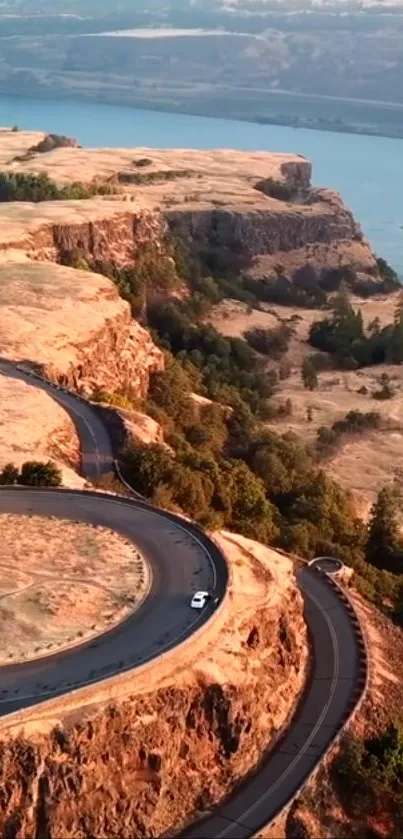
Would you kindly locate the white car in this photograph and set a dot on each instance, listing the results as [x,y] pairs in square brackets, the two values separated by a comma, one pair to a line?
[200,599]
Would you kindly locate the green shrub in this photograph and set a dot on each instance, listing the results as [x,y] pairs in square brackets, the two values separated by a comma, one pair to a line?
[9,474]
[33,473]
[144,178]
[355,422]
[309,375]
[369,771]
[19,186]
[142,162]
[36,473]
[271,342]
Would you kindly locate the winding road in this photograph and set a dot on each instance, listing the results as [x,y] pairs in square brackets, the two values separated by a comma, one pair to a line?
[182,560]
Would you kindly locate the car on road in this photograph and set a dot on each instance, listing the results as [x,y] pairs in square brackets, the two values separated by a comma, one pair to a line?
[200,599]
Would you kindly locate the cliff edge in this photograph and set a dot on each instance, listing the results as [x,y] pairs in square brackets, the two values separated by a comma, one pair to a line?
[259,207]
[74,328]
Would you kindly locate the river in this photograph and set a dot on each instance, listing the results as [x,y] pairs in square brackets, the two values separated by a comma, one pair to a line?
[368,171]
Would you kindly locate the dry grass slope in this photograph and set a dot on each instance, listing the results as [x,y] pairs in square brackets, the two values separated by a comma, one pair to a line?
[61,582]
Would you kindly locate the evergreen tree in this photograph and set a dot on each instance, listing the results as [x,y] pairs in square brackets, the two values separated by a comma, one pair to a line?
[35,473]
[9,474]
[384,549]
[396,339]
[309,375]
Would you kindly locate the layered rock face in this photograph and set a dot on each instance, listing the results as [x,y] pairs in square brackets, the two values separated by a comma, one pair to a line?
[99,229]
[185,737]
[73,327]
[266,230]
[213,201]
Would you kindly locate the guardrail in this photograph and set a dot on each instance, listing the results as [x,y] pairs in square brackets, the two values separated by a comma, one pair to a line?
[363,676]
[363,680]
[213,551]
[215,555]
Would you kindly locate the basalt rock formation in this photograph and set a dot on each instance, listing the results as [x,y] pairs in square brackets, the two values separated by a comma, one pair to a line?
[212,201]
[73,327]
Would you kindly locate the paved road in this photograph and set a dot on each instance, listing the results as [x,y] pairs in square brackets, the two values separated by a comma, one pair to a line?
[182,560]
[165,618]
[96,451]
[328,564]
[333,690]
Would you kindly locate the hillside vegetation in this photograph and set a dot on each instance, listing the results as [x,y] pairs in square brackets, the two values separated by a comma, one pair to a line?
[223,467]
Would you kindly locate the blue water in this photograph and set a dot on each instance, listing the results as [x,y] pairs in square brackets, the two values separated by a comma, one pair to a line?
[368,171]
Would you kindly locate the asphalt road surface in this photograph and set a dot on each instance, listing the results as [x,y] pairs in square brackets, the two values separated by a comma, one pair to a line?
[333,690]
[96,450]
[183,560]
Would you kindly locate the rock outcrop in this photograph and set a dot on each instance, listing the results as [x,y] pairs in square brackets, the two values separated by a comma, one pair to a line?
[266,230]
[74,328]
[189,731]
[124,426]
[212,201]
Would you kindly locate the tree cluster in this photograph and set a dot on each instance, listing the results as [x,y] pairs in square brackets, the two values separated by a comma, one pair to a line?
[21,186]
[355,422]
[384,547]
[344,336]
[271,342]
[223,468]
[32,473]
[229,368]
[154,274]
[370,776]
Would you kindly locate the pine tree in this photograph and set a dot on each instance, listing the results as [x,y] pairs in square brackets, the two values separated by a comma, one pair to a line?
[309,375]
[396,350]
[384,549]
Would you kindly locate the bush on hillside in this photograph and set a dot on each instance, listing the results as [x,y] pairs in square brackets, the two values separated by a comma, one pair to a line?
[370,776]
[53,141]
[271,342]
[36,473]
[32,473]
[19,186]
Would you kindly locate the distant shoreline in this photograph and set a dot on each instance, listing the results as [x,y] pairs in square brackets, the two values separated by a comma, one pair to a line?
[140,103]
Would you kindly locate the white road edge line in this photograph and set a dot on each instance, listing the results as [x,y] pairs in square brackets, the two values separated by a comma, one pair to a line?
[313,733]
[167,646]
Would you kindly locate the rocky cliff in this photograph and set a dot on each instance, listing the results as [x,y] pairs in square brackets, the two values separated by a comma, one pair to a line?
[73,327]
[267,229]
[191,729]
[213,201]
